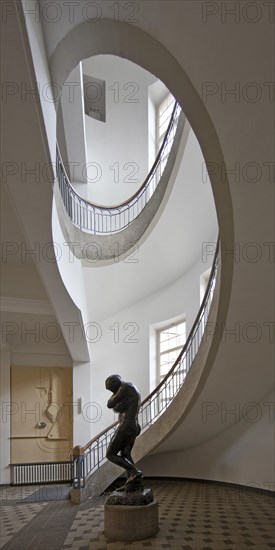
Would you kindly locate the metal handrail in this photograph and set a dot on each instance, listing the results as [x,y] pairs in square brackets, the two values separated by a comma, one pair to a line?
[93,454]
[99,219]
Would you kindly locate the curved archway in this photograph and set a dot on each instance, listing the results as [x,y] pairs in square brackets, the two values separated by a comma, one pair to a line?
[122,39]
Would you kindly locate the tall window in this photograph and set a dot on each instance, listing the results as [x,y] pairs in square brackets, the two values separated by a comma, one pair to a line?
[164,115]
[204,278]
[170,341]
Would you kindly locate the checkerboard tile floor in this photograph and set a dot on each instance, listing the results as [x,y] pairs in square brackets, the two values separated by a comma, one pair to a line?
[14,518]
[192,516]
[8,493]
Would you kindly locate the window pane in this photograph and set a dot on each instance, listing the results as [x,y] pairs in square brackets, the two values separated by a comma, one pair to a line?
[167,360]
[164,115]
[164,346]
[171,341]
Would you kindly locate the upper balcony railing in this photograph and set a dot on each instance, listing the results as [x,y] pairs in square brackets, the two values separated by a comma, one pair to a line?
[103,220]
[89,458]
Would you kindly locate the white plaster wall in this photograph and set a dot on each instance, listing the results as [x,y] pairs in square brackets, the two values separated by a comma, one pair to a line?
[174,244]
[121,343]
[69,266]
[232,456]
[72,103]
[42,73]
[33,142]
[5,416]
[48,97]
[122,141]
[72,275]
[85,411]
[85,414]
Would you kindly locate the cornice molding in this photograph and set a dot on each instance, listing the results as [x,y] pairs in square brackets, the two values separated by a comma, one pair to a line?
[38,350]
[25,305]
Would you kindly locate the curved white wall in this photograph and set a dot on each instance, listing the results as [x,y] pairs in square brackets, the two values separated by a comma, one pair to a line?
[122,342]
[232,456]
[69,266]
[117,149]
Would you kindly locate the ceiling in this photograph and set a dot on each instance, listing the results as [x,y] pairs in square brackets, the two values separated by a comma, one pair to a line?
[20,278]
[28,321]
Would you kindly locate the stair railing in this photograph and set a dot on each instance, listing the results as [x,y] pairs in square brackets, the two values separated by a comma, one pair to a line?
[89,458]
[104,220]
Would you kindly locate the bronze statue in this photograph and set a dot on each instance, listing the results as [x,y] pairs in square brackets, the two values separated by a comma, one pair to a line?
[126,402]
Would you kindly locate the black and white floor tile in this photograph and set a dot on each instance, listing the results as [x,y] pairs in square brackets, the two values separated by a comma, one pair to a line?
[192,516]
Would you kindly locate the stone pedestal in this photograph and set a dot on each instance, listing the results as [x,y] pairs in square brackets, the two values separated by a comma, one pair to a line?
[78,496]
[129,523]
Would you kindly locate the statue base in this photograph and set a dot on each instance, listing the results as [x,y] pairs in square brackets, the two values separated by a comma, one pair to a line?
[130,522]
[133,498]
